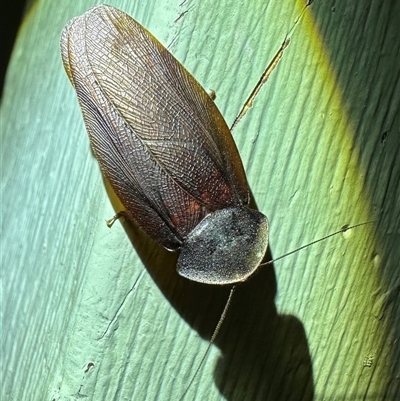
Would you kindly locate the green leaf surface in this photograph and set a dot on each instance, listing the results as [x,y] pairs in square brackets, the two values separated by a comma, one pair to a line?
[100,314]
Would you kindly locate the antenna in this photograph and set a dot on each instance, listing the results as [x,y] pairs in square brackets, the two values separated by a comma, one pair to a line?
[342,230]
[270,67]
[211,342]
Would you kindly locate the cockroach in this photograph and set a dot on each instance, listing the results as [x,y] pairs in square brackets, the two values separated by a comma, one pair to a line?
[165,148]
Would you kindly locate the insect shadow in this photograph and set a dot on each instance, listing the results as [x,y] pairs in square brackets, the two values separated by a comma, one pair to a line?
[263,353]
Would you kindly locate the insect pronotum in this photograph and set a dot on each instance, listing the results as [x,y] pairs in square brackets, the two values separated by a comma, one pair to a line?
[164,147]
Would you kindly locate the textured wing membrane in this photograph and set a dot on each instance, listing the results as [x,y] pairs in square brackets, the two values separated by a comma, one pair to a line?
[159,138]
[163,102]
[163,219]
[162,209]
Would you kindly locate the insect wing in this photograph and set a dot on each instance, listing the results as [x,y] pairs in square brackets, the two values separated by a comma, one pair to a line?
[159,138]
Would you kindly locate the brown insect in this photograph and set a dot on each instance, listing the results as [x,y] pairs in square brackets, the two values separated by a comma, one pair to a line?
[164,147]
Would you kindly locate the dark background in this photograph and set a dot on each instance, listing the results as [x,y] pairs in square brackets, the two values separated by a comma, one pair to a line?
[10,19]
